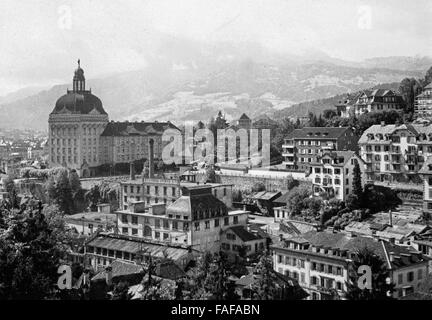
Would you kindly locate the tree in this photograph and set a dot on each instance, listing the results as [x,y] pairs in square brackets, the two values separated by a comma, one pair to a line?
[30,254]
[93,196]
[264,287]
[357,185]
[121,291]
[60,192]
[216,282]
[381,286]
[75,183]
[329,114]
[10,188]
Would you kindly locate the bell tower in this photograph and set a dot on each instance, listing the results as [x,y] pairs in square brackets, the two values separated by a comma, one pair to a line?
[79,79]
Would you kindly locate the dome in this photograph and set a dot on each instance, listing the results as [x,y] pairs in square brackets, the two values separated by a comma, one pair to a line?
[83,102]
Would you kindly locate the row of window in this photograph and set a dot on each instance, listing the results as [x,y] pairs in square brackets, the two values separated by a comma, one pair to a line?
[410,276]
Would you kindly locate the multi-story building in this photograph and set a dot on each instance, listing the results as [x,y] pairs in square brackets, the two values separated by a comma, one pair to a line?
[303,146]
[333,173]
[82,138]
[196,219]
[426,174]
[160,190]
[378,100]
[345,106]
[395,152]
[238,238]
[320,261]
[423,103]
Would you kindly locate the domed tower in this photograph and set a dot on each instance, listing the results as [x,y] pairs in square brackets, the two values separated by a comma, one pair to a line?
[75,126]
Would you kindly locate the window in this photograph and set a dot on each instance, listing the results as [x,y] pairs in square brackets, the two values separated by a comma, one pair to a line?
[235,220]
[226,221]
[134,231]
[400,278]
[207,224]
[165,224]
[279,258]
[216,223]
[231,236]
[197,226]
[175,225]
[165,236]
[125,231]
[157,223]
[410,276]
[125,218]
[134,220]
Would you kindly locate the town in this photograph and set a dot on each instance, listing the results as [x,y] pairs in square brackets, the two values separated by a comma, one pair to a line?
[344,189]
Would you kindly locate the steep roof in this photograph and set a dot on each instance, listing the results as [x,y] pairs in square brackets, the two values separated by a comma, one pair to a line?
[415,128]
[136,128]
[120,268]
[244,117]
[196,206]
[317,133]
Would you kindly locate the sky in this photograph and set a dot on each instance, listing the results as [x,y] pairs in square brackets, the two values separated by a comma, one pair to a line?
[41,40]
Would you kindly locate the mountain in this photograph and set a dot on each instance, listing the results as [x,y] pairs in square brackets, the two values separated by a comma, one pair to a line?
[191,86]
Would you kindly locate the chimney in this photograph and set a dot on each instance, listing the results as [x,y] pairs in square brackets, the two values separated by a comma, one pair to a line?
[151,158]
[382,123]
[108,275]
[132,171]
[281,237]
[390,218]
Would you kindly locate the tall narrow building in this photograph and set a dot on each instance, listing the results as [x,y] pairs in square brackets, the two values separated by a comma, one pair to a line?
[75,127]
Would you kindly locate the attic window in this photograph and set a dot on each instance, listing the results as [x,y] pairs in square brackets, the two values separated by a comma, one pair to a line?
[317,134]
[310,133]
[325,133]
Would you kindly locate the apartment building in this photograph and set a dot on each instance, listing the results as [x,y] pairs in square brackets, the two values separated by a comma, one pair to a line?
[378,100]
[320,262]
[161,190]
[333,173]
[303,146]
[395,152]
[196,219]
[426,174]
[423,103]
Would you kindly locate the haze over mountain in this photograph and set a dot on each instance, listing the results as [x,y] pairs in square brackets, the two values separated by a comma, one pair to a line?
[190,80]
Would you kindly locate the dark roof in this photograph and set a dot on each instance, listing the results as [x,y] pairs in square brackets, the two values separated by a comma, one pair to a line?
[169,270]
[82,102]
[244,117]
[283,198]
[243,234]
[136,128]
[352,244]
[265,195]
[196,206]
[317,133]
[120,269]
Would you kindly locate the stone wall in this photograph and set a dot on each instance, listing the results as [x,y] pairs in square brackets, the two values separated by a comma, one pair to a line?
[246,182]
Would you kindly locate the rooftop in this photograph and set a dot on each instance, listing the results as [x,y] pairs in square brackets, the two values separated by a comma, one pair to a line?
[317,133]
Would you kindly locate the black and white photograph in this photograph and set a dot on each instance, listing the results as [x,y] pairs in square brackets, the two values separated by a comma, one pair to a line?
[242,153]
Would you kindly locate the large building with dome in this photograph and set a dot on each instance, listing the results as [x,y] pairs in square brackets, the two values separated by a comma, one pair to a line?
[81,137]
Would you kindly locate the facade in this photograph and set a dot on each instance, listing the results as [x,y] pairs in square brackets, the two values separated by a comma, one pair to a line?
[88,223]
[345,106]
[333,173]
[320,261]
[236,239]
[82,138]
[377,100]
[423,103]
[195,219]
[395,153]
[303,146]
[103,249]
[426,174]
